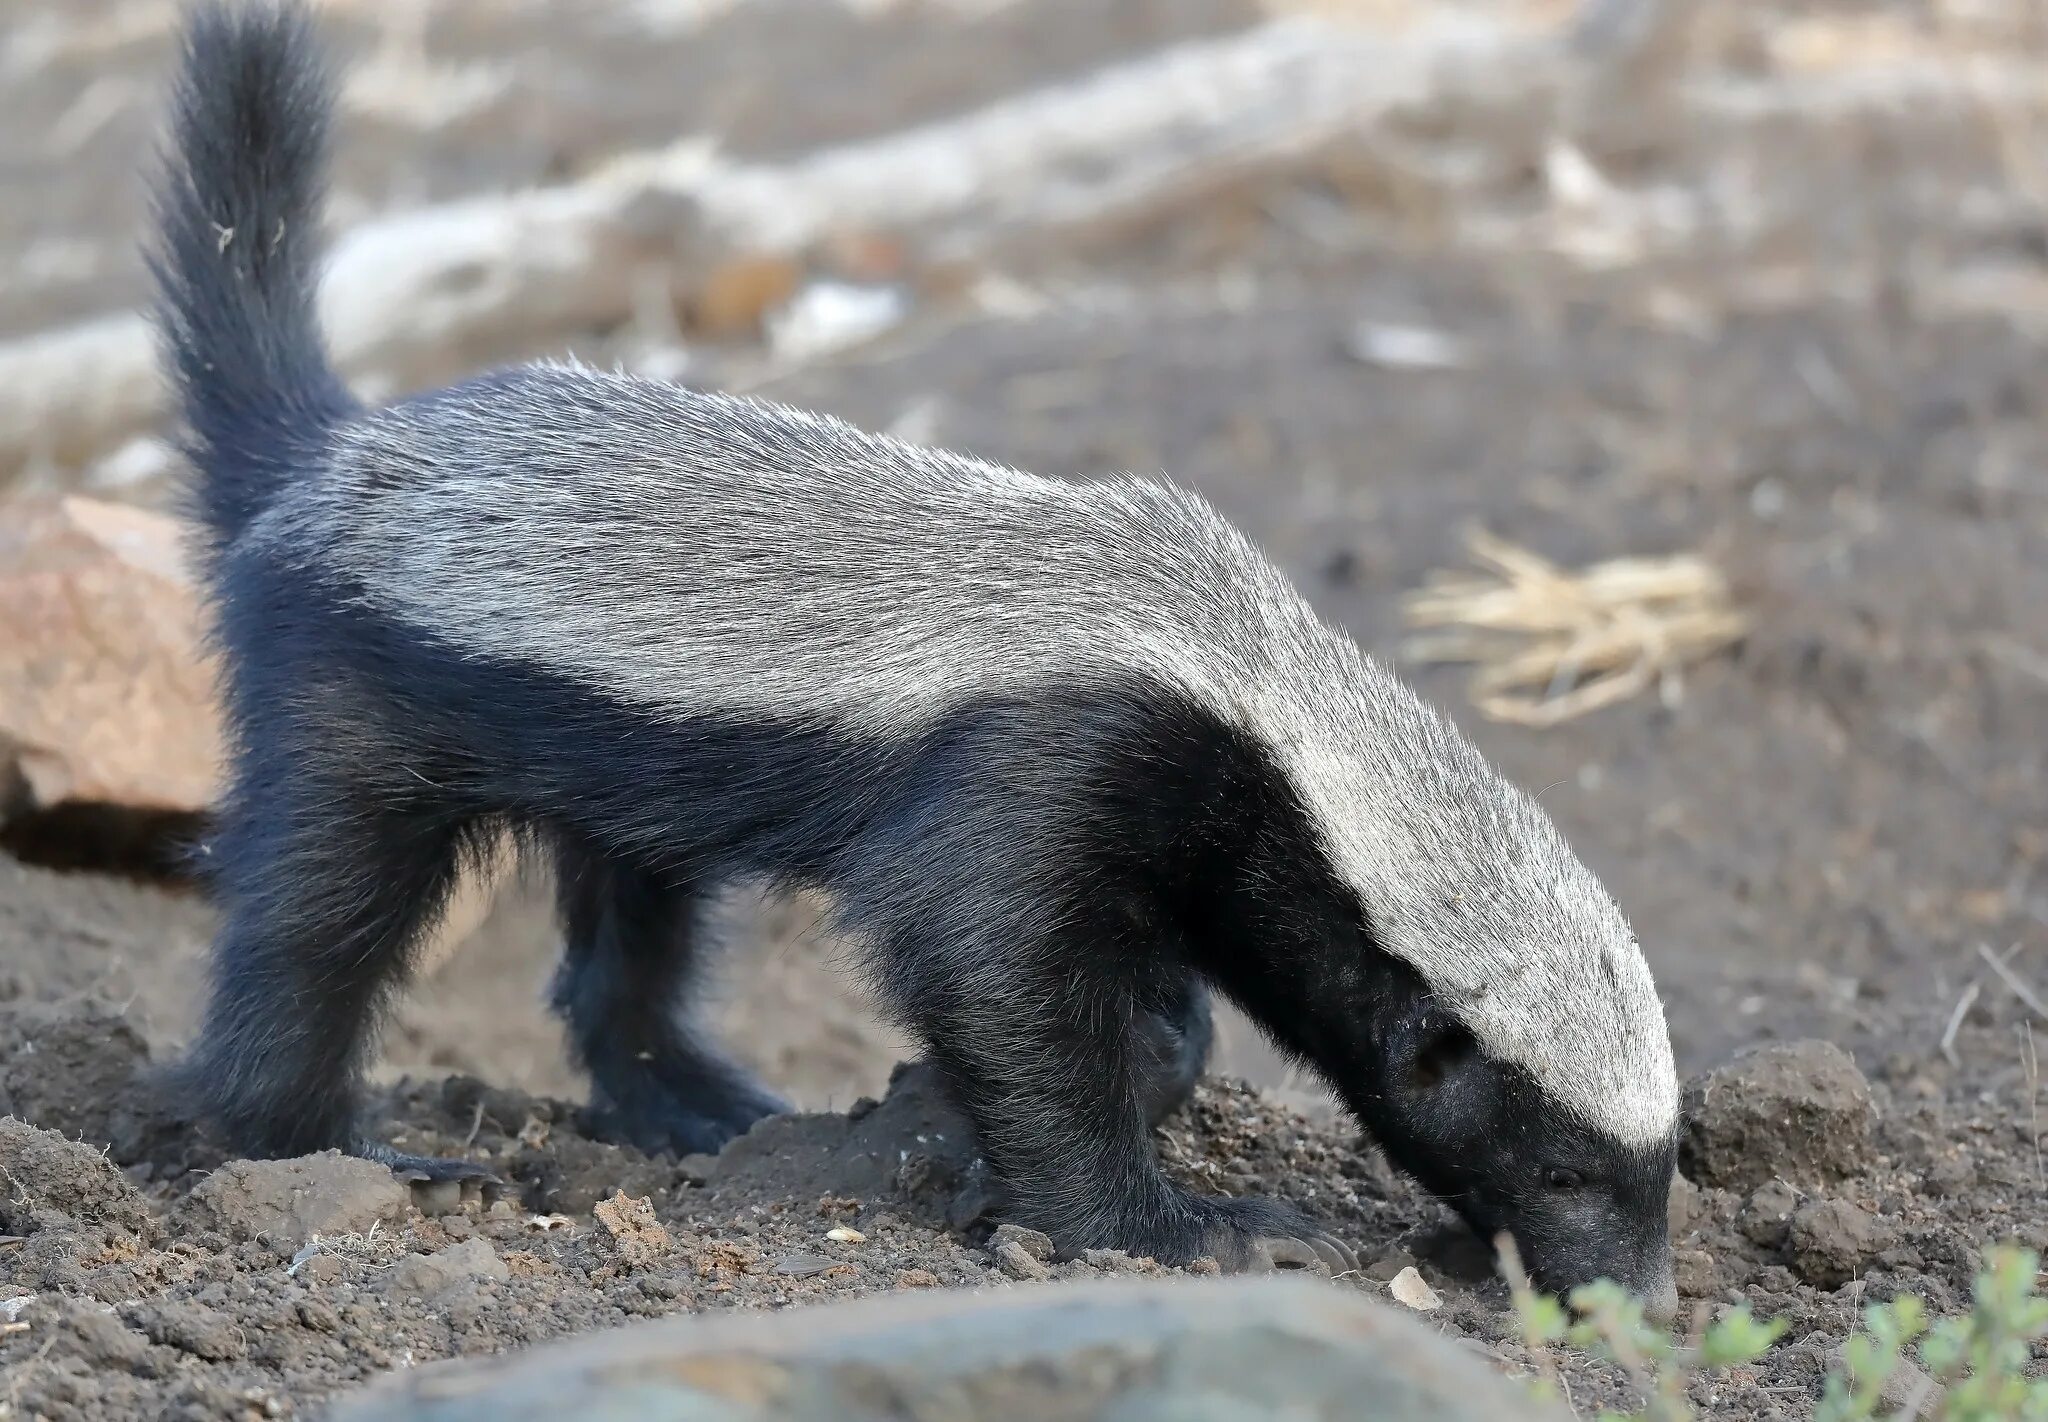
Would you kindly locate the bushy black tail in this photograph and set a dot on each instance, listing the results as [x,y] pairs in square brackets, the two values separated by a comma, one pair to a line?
[237,251]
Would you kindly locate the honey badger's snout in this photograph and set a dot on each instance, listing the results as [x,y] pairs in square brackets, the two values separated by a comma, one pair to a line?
[1614,1230]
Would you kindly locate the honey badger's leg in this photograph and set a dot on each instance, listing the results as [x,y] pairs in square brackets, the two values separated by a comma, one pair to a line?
[631,944]
[1173,1032]
[1031,1022]
[326,885]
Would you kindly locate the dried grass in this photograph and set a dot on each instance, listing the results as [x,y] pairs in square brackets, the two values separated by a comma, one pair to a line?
[1549,644]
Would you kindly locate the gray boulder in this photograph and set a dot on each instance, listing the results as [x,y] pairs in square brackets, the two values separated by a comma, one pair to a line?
[1155,1350]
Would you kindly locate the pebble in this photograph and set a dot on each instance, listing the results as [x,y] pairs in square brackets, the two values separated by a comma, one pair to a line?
[1907,1386]
[1017,1262]
[1766,1214]
[1831,1239]
[430,1275]
[1411,1290]
[1038,1246]
[1695,1273]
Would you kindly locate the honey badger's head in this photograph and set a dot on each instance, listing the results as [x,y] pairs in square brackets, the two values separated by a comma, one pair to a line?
[1582,1199]
[1544,1105]
[1488,1015]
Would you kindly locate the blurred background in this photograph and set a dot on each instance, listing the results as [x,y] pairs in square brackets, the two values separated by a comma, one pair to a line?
[1660,384]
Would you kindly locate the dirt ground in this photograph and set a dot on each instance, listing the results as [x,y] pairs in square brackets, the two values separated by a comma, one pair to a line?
[1843,402]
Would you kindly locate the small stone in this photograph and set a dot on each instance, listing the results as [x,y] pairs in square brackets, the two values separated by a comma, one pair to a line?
[1206,1266]
[322,1270]
[1797,1110]
[1411,1290]
[1906,1387]
[106,684]
[1038,1246]
[917,1279]
[1831,1239]
[431,1275]
[1766,1214]
[318,1316]
[1018,1263]
[641,1239]
[1695,1273]
[1110,1261]
[1952,1174]
[1244,1347]
[697,1168]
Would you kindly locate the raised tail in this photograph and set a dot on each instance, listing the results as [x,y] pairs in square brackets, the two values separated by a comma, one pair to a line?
[236,254]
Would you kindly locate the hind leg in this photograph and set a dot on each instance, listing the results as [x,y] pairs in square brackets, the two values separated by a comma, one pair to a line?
[630,959]
[325,887]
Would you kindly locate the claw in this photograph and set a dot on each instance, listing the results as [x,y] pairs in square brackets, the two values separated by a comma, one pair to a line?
[1286,1252]
[417,1170]
[1336,1254]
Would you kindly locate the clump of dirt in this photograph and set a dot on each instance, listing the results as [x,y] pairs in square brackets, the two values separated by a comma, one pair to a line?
[70,1183]
[174,1289]
[1796,1110]
[284,1203]
[77,1069]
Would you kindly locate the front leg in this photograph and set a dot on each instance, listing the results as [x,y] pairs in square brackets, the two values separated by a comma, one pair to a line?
[1173,1032]
[1035,1034]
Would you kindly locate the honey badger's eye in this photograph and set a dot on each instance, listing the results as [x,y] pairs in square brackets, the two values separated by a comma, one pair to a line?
[1562,1179]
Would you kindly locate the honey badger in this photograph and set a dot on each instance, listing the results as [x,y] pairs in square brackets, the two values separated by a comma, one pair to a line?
[1066,757]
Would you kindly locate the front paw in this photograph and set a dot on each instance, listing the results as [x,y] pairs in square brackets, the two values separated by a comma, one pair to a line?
[1263,1237]
[429,1169]
[655,1126]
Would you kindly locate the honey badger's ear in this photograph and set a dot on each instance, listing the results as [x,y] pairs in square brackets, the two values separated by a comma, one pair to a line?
[1443,1046]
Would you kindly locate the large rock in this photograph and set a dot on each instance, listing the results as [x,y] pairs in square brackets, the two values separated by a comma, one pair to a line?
[1137,1351]
[106,694]
[1797,1111]
[110,731]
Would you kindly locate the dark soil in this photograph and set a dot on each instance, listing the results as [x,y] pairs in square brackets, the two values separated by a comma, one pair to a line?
[157,1280]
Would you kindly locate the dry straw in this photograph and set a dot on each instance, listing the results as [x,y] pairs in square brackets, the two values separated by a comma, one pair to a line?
[1549,644]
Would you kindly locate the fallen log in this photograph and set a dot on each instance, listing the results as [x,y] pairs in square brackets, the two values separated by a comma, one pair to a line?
[424,295]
